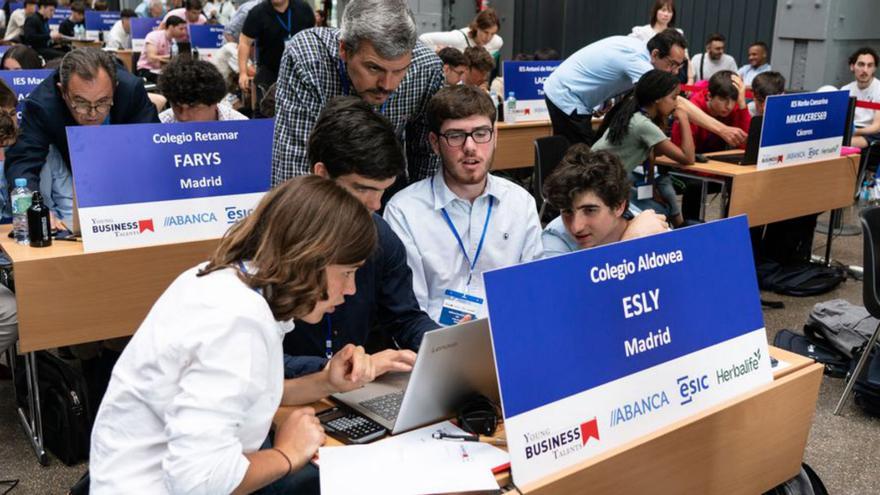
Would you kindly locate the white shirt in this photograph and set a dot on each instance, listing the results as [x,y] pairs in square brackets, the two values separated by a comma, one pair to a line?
[726,62]
[15,26]
[226,60]
[118,39]
[224,112]
[194,390]
[458,38]
[646,32]
[864,116]
[513,236]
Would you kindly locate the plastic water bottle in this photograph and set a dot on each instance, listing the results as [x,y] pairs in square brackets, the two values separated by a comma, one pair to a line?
[864,195]
[21,201]
[510,108]
[876,191]
[174,49]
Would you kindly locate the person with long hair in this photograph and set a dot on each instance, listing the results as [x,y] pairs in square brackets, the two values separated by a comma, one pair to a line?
[21,57]
[192,397]
[482,32]
[634,130]
[662,18]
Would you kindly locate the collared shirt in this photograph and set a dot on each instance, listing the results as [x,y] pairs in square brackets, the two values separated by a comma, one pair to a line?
[118,39]
[513,235]
[193,392]
[748,73]
[310,76]
[557,240]
[224,112]
[596,73]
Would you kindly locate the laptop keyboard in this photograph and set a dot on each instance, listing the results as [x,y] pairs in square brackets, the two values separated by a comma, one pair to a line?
[387,405]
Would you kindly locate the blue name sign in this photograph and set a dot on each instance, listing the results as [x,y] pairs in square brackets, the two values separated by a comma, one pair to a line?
[802,128]
[599,347]
[526,80]
[140,28]
[208,36]
[101,20]
[22,82]
[59,16]
[177,182]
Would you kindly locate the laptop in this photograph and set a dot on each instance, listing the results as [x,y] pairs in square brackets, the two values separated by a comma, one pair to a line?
[452,363]
[750,157]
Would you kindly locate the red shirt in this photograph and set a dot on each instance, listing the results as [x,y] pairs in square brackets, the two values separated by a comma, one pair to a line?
[705,140]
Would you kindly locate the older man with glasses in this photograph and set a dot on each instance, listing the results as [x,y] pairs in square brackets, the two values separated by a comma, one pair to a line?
[610,67]
[88,89]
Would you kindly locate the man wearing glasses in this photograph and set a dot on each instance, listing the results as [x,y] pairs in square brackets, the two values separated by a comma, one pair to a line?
[88,89]
[609,68]
[462,221]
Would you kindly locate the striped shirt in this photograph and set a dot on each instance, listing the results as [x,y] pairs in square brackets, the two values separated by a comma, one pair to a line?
[310,76]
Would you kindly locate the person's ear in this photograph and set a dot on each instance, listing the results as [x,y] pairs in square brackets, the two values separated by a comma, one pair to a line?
[618,211]
[320,170]
[434,139]
[343,53]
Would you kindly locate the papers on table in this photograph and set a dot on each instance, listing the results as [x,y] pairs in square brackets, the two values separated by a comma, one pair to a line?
[411,463]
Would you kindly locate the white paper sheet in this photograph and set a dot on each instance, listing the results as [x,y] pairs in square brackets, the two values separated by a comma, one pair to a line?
[411,463]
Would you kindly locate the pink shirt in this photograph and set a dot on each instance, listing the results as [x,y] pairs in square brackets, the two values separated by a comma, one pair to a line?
[181,12]
[162,43]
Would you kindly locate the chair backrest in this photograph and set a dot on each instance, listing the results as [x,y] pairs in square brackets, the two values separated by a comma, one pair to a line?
[870,218]
[850,115]
[548,152]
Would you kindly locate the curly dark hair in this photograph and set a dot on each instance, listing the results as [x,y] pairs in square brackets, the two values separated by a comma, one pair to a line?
[582,170]
[192,82]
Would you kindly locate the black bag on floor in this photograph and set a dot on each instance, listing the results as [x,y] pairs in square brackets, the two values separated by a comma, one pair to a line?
[807,482]
[836,364]
[866,390]
[799,280]
[64,409]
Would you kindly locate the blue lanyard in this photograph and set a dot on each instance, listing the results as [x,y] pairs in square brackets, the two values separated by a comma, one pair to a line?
[329,340]
[245,271]
[346,88]
[285,26]
[471,264]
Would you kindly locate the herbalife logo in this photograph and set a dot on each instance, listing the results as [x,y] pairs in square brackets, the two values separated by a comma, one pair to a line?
[738,370]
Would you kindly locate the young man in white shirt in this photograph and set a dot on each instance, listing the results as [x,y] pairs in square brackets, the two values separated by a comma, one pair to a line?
[120,34]
[462,221]
[863,64]
[591,191]
[713,60]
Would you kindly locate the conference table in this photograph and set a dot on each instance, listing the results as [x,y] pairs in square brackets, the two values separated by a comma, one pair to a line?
[746,445]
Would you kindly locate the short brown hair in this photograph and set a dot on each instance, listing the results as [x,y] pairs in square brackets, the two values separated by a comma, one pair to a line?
[479,58]
[8,127]
[298,229]
[458,102]
[582,170]
[484,20]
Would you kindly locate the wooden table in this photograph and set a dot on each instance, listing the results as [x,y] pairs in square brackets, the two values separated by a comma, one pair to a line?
[126,57]
[87,43]
[516,143]
[778,193]
[746,445]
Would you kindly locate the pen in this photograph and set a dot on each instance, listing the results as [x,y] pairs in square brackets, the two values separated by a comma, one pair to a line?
[439,435]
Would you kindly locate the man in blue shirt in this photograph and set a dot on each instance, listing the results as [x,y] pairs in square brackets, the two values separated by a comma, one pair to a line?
[757,63]
[609,68]
[591,191]
[357,148]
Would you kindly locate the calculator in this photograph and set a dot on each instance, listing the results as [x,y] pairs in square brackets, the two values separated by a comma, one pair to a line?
[350,427]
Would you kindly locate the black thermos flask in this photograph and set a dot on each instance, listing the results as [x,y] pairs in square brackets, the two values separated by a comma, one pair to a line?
[39,226]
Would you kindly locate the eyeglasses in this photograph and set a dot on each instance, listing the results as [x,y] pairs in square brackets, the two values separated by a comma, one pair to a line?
[456,139]
[86,108]
[675,65]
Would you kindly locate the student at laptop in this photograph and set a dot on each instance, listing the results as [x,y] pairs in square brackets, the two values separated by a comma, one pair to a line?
[633,130]
[725,100]
[463,220]
[766,84]
[192,397]
[591,190]
[356,147]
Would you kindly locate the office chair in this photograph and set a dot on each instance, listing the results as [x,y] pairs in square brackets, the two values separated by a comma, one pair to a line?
[548,153]
[870,218]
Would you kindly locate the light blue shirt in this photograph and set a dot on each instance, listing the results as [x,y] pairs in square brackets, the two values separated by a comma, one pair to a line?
[557,240]
[596,73]
[513,236]
[747,72]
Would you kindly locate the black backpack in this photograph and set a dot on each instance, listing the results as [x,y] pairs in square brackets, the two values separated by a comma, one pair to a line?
[65,411]
[866,390]
[836,364]
[800,280]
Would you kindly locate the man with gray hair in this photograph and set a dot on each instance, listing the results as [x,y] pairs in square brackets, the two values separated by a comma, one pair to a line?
[376,56]
[89,88]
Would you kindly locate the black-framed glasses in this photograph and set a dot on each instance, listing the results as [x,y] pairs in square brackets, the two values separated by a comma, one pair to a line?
[456,139]
[673,64]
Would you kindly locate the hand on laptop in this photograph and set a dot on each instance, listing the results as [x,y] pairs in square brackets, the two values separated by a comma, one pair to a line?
[299,436]
[733,136]
[391,360]
[350,368]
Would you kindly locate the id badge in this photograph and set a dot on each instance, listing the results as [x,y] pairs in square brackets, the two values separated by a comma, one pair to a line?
[458,307]
[644,190]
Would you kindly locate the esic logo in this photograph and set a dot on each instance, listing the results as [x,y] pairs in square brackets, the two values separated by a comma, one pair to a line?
[636,408]
[563,443]
[234,214]
[689,387]
[191,219]
[122,229]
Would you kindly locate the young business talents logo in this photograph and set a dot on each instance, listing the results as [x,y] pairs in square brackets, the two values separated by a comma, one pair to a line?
[563,442]
[122,229]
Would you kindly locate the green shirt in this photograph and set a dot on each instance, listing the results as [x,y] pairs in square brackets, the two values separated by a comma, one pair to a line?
[635,147]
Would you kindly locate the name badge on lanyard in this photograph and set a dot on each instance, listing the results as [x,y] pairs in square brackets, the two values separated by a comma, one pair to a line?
[287,27]
[459,308]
